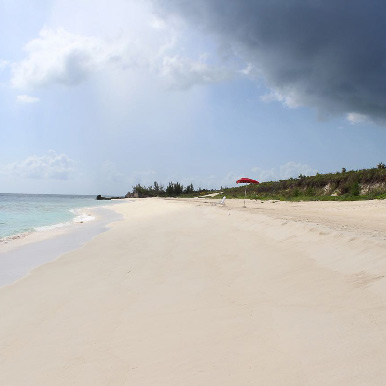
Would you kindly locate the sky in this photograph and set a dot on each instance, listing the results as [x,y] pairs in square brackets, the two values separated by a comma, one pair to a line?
[98,96]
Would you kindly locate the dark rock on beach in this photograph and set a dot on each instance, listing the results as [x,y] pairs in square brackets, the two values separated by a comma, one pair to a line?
[100,197]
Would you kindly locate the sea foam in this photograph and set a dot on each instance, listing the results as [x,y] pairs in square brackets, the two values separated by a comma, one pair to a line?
[22,214]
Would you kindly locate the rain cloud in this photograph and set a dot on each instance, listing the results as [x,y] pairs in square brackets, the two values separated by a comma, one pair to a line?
[330,54]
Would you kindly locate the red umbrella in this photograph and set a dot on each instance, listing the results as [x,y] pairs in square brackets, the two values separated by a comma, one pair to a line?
[246,181]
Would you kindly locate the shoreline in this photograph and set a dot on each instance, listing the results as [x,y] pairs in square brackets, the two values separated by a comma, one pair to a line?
[31,230]
[187,292]
[43,232]
[20,256]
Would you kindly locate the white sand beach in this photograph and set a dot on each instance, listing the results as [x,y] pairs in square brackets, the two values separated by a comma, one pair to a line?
[187,292]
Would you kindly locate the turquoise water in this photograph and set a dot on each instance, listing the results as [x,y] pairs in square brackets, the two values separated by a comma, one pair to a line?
[24,213]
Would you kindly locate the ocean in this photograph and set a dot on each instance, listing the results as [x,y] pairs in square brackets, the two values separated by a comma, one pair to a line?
[21,214]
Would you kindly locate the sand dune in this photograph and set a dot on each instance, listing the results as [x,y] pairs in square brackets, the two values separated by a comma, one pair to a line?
[186,292]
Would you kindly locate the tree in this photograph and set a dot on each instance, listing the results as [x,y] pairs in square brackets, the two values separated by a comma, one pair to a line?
[178,189]
[157,189]
[170,189]
[381,165]
[141,190]
[189,189]
[174,189]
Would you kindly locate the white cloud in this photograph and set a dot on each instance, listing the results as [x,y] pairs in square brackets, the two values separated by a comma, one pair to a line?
[293,169]
[288,170]
[4,64]
[287,98]
[157,23]
[27,99]
[229,180]
[356,118]
[183,73]
[50,166]
[265,174]
[57,56]
[248,69]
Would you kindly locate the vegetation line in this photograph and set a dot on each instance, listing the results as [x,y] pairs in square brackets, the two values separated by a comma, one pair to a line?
[345,185]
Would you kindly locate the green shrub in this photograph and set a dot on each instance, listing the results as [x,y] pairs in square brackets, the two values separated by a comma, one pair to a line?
[354,189]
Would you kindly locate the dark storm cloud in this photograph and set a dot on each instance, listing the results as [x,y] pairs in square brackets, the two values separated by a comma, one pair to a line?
[328,54]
